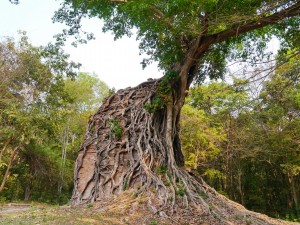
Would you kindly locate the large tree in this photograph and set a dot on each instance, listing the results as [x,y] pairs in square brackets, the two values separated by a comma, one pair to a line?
[133,141]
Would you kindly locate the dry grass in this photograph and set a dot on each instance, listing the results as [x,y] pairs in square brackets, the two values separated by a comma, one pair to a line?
[123,210]
[126,209]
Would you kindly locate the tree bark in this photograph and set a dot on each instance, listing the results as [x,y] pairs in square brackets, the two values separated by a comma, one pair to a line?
[65,142]
[27,192]
[4,148]
[293,191]
[6,175]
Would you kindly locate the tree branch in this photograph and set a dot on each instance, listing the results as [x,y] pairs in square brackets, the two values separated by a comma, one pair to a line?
[293,10]
[159,15]
[207,41]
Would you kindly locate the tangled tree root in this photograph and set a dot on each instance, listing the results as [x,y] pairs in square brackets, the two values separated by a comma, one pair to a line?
[128,148]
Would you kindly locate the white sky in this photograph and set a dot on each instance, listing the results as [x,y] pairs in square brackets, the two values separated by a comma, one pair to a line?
[115,62]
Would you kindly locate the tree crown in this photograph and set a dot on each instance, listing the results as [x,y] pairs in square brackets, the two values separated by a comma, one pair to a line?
[169,30]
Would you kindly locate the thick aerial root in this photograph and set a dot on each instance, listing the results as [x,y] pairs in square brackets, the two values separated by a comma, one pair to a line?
[122,148]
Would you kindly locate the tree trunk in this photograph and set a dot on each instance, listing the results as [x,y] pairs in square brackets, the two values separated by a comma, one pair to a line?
[27,192]
[6,175]
[240,188]
[5,147]
[128,148]
[65,142]
[293,191]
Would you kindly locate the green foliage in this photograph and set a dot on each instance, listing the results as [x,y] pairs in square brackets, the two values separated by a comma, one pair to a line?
[116,129]
[201,139]
[213,174]
[153,222]
[165,85]
[156,104]
[125,186]
[87,91]
[220,98]
[223,193]
[161,169]
[163,92]
[181,190]
[203,195]
[44,111]
[89,206]
[256,157]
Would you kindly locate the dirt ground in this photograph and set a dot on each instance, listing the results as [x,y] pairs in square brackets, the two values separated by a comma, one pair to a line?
[39,214]
[125,210]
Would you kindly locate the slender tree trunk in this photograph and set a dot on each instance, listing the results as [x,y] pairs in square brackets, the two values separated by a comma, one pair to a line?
[229,162]
[6,175]
[65,141]
[27,192]
[4,148]
[240,188]
[293,191]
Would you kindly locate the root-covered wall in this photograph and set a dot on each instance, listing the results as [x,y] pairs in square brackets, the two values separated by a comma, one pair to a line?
[122,146]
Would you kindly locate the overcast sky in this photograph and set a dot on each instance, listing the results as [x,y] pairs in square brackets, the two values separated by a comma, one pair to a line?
[115,62]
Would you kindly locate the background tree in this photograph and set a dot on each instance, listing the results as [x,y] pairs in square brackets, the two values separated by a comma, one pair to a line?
[260,144]
[201,141]
[43,114]
[27,81]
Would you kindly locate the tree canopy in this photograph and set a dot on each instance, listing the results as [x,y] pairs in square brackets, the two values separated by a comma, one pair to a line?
[171,32]
[253,158]
[43,113]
